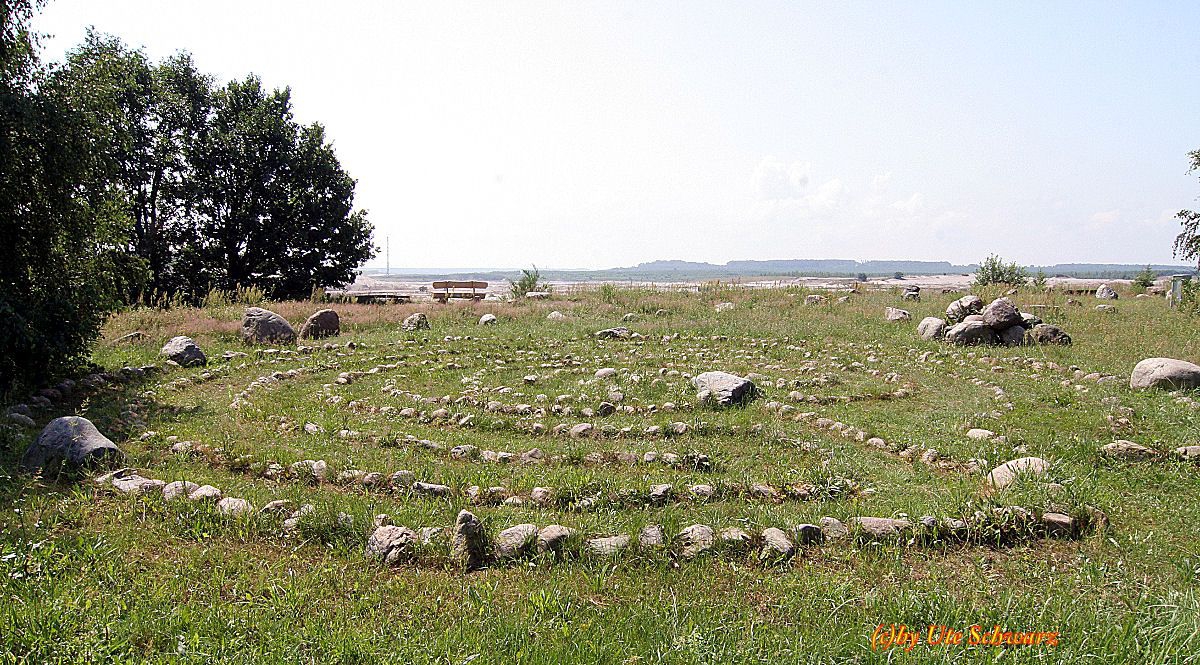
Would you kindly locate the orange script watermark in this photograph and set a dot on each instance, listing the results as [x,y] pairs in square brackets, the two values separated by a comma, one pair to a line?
[900,636]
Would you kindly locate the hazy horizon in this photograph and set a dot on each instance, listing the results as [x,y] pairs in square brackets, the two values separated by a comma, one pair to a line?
[610,134]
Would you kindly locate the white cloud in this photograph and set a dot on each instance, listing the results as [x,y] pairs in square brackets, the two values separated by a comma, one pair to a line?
[775,179]
[1107,217]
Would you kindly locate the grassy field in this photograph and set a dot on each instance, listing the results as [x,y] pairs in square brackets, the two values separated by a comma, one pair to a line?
[90,574]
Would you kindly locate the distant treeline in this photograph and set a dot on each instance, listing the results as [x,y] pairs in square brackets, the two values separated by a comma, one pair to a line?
[689,271]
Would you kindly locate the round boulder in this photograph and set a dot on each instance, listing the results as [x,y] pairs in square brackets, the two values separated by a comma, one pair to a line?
[72,441]
[1044,333]
[931,328]
[324,323]
[1166,373]
[487,320]
[1001,314]
[1106,292]
[185,351]
[1012,336]
[262,326]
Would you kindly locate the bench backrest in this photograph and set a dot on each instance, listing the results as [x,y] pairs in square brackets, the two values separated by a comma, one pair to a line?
[448,285]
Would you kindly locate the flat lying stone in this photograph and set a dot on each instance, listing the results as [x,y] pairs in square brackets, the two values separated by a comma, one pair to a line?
[879,527]
[1123,449]
[1007,473]
[608,546]
[723,388]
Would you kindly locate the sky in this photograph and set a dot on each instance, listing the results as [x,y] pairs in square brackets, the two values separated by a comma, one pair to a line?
[604,134]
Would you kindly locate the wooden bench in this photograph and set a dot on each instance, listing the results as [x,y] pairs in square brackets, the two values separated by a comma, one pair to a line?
[444,291]
[368,297]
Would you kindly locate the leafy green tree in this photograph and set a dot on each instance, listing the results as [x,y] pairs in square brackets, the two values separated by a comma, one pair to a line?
[993,270]
[271,205]
[63,228]
[1187,243]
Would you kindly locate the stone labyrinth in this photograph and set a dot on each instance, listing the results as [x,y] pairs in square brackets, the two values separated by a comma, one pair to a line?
[486,450]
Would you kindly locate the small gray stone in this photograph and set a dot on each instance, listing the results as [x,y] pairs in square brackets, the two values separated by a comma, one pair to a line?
[415,322]
[553,538]
[696,539]
[516,540]
[185,351]
[179,489]
[651,536]
[931,328]
[390,543]
[776,544]
[879,527]
[609,546]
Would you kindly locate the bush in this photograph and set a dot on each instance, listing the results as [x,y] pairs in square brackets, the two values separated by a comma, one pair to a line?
[609,293]
[1144,279]
[993,270]
[531,280]
[1039,280]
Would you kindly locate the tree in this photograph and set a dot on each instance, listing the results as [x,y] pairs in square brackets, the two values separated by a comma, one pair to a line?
[993,270]
[1145,278]
[272,206]
[224,187]
[63,228]
[1187,243]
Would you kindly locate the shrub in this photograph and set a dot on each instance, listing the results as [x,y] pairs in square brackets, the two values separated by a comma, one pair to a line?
[608,293]
[1039,280]
[530,280]
[1144,279]
[993,270]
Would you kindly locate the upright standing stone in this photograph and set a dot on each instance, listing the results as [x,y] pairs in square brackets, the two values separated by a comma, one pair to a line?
[468,546]
[325,323]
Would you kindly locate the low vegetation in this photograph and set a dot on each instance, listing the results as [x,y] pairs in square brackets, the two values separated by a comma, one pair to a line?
[94,574]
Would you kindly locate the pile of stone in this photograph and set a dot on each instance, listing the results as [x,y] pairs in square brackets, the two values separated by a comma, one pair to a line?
[969,322]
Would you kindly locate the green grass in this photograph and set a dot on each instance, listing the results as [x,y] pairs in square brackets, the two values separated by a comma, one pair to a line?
[88,575]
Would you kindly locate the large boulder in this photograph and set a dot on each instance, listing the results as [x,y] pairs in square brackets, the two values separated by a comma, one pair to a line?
[1165,373]
[1106,292]
[969,333]
[415,322]
[723,388]
[963,307]
[1044,333]
[73,442]
[1012,336]
[1001,314]
[185,351]
[932,328]
[325,323]
[262,326]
